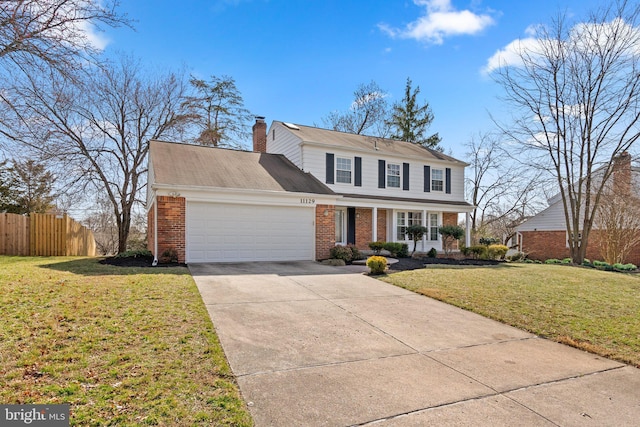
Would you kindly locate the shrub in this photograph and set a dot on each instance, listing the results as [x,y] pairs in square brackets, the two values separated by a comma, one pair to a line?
[465,250]
[135,253]
[489,241]
[553,261]
[433,253]
[415,233]
[566,261]
[450,233]
[624,267]
[496,251]
[377,264]
[168,255]
[478,251]
[341,252]
[518,256]
[586,263]
[355,253]
[601,265]
[376,247]
[397,249]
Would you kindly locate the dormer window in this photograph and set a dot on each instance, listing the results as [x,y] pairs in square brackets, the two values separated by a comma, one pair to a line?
[343,170]
[393,175]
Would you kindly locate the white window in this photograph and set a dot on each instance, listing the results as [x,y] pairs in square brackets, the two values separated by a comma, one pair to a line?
[341,224]
[437,179]
[343,170]
[393,175]
[404,220]
[433,226]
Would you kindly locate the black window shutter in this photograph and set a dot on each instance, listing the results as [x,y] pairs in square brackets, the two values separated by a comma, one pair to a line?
[358,171]
[405,176]
[330,168]
[447,185]
[427,179]
[382,174]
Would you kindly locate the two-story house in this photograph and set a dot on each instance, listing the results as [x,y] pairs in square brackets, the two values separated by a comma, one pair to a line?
[299,193]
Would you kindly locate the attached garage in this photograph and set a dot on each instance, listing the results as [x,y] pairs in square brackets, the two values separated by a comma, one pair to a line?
[225,232]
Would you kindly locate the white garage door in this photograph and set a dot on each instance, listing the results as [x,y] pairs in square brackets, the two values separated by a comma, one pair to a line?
[230,233]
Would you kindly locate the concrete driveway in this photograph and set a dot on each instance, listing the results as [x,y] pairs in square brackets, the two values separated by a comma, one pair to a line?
[314,345]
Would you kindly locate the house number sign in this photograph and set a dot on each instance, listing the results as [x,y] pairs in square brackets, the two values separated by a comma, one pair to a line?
[307,201]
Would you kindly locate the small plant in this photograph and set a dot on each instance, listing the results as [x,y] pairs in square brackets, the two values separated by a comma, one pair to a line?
[489,241]
[168,255]
[433,253]
[344,253]
[134,254]
[587,263]
[553,261]
[415,233]
[566,261]
[601,265]
[450,233]
[518,256]
[397,249]
[624,267]
[377,264]
[478,251]
[376,247]
[496,251]
[355,253]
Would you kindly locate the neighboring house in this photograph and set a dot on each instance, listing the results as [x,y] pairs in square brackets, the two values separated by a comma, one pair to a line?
[544,235]
[299,193]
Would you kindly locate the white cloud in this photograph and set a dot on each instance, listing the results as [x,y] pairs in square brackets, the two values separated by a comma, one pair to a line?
[440,20]
[583,37]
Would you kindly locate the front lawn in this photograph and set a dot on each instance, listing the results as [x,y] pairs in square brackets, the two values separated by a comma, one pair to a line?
[586,308]
[121,345]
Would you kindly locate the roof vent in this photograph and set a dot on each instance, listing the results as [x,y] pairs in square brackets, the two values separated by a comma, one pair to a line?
[291,126]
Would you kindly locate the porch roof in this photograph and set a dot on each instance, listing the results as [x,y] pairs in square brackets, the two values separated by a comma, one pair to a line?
[465,206]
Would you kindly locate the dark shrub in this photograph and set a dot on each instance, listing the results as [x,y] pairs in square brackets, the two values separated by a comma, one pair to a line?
[376,247]
[397,249]
[489,241]
[433,253]
[341,252]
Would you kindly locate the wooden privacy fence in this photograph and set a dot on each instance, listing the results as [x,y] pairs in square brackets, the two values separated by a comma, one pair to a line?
[44,235]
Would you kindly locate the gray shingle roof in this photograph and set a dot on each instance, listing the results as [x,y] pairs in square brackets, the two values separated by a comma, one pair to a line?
[193,165]
[367,143]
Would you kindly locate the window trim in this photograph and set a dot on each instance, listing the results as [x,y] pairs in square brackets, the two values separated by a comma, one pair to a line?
[407,222]
[350,170]
[399,175]
[434,180]
[343,216]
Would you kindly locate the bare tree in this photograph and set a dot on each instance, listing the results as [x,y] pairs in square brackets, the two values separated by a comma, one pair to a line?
[52,33]
[218,112]
[617,220]
[503,195]
[367,114]
[99,128]
[575,94]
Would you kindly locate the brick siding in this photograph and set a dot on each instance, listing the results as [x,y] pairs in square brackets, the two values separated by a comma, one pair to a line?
[543,245]
[364,228]
[325,230]
[382,225]
[171,226]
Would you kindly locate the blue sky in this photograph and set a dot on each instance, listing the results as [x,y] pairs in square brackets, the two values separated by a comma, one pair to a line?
[296,61]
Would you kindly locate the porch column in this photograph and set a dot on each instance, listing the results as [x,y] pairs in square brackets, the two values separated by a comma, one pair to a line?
[374,224]
[424,224]
[467,234]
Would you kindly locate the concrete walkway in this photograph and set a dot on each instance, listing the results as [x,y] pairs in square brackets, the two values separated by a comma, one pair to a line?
[313,345]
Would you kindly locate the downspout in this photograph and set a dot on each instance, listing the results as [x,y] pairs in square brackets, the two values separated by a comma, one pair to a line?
[155,229]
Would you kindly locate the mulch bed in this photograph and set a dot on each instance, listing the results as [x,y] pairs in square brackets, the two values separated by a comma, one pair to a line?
[414,264]
[138,261]
[402,264]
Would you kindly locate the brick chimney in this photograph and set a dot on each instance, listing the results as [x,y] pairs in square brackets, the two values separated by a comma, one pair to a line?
[260,135]
[622,174]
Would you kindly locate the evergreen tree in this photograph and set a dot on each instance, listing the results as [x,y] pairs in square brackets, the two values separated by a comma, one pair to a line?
[31,187]
[409,120]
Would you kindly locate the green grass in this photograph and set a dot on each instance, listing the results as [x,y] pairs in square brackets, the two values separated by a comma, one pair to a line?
[121,345]
[593,310]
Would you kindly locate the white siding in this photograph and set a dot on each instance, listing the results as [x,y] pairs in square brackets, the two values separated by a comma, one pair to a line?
[286,143]
[550,219]
[315,158]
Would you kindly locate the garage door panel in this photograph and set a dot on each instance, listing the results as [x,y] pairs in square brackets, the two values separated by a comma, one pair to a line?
[227,233]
